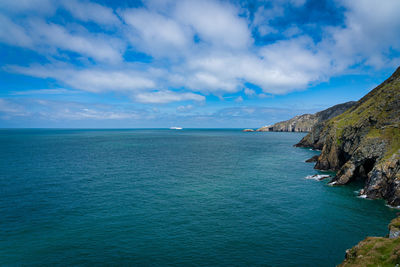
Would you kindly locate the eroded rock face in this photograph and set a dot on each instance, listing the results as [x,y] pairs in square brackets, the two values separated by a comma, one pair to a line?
[313,159]
[364,142]
[306,122]
[384,181]
[394,228]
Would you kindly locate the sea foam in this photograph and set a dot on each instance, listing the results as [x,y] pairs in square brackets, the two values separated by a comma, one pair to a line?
[317,177]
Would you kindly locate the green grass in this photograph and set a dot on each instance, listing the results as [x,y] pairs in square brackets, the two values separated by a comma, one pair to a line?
[374,251]
[391,135]
[374,115]
[395,223]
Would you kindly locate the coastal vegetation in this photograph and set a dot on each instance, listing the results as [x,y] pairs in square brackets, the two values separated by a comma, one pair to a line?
[305,122]
[376,251]
[363,143]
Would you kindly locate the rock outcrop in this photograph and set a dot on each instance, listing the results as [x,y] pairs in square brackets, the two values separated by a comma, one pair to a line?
[247,130]
[376,251]
[364,142]
[305,123]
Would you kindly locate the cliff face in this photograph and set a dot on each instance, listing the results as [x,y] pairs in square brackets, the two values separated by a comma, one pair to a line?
[305,123]
[364,142]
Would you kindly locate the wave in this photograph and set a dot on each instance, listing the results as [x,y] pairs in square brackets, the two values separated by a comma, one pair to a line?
[317,177]
[392,207]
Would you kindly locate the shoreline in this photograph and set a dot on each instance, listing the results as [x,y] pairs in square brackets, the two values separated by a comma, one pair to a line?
[360,254]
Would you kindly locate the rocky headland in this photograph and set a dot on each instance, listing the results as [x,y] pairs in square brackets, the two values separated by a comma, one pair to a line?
[360,141]
[376,251]
[363,143]
[305,123]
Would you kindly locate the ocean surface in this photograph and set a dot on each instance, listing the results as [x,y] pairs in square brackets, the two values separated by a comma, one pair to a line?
[168,197]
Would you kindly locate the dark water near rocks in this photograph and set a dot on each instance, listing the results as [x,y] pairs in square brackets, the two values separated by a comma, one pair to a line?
[163,197]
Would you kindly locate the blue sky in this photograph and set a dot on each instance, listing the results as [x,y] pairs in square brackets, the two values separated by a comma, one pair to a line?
[189,63]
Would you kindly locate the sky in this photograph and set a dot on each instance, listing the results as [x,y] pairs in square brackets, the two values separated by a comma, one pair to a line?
[189,63]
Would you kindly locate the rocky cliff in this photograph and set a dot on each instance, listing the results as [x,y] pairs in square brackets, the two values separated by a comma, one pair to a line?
[364,142]
[305,123]
[376,251]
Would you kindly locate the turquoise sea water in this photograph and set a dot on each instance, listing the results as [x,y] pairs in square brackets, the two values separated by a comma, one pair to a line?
[164,197]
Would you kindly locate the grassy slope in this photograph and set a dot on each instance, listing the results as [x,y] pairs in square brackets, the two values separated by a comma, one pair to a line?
[377,112]
[374,251]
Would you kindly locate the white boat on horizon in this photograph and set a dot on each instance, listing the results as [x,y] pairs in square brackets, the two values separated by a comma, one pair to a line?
[175,128]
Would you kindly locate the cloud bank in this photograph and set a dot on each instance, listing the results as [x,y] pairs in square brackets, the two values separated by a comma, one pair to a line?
[161,52]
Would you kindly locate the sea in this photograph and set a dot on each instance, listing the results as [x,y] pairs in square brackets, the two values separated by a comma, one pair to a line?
[160,197]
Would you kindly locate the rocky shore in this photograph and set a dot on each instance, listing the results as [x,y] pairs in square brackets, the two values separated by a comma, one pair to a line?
[359,141]
[363,143]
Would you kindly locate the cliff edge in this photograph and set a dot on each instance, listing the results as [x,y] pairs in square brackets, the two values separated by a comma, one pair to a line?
[305,123]
[364,142]
[376,251]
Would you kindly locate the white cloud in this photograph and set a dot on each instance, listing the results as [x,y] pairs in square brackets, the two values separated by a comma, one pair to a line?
[198,47]
[91,80]
[265,96]
[156,34]
[161,97]
[57,91]
[86,113]
[99,47]
[370,34]
[215,23]
[263,17]
[99,80]
[210,81]
[43,7]
[278,68]
[239,99]
[185,109]
[87,11]
[249,92]
[48,110]
[43,37]
[47,113]
[13,34]
[292,31]
[10,109]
